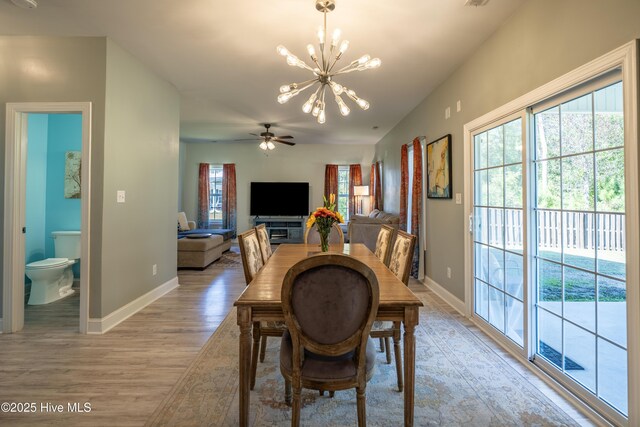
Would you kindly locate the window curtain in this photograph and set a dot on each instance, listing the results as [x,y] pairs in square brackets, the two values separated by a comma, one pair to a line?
[416,205]
[203,196]
[379,198]
[330,180]
[355,178]
[229,211]
[404,186]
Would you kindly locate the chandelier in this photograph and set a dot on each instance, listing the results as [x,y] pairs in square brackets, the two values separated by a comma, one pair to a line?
[324,72]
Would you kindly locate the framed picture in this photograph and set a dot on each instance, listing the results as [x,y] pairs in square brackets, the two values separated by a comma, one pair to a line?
[439,168]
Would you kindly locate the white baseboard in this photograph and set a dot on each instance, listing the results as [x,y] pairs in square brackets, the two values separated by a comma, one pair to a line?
[449,298]
[100,326]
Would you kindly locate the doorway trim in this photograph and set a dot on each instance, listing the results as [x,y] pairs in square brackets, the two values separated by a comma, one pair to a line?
[14,203]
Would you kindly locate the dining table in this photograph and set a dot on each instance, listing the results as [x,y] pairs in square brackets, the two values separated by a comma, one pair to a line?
[260,301]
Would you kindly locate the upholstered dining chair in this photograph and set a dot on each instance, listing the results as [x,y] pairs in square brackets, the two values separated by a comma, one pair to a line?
[252,263]
[336,235]
[329,303]
[267,329]
[263,239]
[400,264]
[383,243]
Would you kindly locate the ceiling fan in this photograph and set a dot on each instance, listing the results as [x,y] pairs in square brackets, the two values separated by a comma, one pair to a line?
[268,138]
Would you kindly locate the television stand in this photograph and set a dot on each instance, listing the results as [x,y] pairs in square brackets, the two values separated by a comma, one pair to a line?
[283,229]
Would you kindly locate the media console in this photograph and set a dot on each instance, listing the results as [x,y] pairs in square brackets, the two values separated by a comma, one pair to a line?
[283,229]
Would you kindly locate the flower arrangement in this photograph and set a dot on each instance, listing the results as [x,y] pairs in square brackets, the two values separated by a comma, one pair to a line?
[324,217]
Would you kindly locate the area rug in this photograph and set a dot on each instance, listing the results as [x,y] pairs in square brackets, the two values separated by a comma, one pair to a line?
[460,381]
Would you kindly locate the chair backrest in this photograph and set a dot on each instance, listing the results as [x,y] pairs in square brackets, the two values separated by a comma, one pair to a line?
[383,243]
[336,235]
[250,252]
[263,239]
[402,255]
[329,303]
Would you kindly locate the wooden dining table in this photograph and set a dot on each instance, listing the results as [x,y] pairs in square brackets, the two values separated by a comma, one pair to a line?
[260,301]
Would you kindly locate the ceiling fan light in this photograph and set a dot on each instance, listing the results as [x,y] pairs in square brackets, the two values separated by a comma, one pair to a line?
[270,145]
[263,145]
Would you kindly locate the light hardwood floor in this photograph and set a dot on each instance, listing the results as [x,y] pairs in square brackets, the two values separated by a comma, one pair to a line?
[126,373]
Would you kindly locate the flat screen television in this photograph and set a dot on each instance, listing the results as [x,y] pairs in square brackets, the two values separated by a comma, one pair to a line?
[279,199]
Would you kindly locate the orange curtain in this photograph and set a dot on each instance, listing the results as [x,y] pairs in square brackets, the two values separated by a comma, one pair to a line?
[330,180]
[355,178]
[203,196]
[404,186]
[379,199]
[416,203]
[229,212]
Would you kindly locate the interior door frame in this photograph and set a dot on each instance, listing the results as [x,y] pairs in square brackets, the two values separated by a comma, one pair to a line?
[626,58]
[14,212]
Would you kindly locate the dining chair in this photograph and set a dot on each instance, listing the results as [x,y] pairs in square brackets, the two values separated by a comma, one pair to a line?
[400,263]
[336,235]
[329,302]
[252,263]
[263,239]
[383,243]
[272,328]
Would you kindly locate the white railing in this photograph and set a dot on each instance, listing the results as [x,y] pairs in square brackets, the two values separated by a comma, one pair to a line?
[582,230]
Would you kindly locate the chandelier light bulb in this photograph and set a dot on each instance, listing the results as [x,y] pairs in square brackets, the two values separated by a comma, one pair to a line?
[312,51]
[344,46]
[374,63]
[263,145]
[282,50]
[270,145]
[335,37]
[321,117]
[325,71]
[363,104]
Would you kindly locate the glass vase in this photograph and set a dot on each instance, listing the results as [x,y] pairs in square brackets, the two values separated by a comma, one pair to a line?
[324,240]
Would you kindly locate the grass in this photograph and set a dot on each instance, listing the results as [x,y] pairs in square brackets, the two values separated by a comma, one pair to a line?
[580,286]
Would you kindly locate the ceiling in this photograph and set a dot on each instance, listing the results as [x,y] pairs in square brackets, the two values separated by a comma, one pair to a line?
[222,55]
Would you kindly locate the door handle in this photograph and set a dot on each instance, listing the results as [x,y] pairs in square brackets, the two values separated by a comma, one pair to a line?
[24,230]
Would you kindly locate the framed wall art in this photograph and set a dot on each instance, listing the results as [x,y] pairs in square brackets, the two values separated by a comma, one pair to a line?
[439,168]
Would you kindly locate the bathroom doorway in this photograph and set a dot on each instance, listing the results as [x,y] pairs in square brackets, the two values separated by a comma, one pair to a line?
[20,217]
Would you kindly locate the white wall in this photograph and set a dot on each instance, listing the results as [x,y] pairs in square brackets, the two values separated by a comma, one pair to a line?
[301,163]
[543,40]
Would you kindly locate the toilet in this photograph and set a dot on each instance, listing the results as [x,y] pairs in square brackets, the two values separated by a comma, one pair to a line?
[52,278]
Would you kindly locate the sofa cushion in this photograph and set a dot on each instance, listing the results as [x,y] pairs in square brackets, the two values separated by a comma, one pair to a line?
[183,224]
[374,213]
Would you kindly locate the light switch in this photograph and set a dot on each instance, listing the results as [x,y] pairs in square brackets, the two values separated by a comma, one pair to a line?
[458,106]
[447,112]
[120,196]
[458,198]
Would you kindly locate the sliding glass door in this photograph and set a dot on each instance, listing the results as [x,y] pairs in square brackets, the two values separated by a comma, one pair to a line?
[498,228]
[580,254]
[549,239]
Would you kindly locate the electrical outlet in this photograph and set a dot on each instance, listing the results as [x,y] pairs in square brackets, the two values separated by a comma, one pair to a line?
[449,272]
[458,198]
[155,269]
[120,195]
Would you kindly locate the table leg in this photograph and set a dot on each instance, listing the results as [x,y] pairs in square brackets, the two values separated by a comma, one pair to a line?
[410,322]
[244,322]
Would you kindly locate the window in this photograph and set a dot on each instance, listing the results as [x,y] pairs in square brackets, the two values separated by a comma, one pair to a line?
[215,194]
[343,192]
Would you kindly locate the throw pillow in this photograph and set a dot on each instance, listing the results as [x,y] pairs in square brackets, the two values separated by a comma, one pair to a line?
[183,224]
[374,213]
